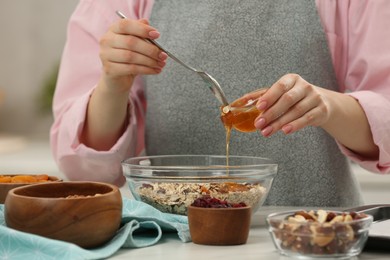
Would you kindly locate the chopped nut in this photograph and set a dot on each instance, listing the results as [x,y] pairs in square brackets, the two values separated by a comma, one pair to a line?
[348,218]
[297,219]
[322,214]
[322,236]
[339,218]
[306,215]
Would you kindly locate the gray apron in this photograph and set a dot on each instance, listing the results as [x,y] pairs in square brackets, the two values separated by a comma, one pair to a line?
[245,45]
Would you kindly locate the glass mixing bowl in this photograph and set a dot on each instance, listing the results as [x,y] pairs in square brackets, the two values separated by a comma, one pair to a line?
[171,183]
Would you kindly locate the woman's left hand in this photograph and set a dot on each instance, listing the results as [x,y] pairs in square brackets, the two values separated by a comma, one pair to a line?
[291,104]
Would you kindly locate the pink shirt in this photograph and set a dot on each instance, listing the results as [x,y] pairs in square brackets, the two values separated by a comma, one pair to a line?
[358,37]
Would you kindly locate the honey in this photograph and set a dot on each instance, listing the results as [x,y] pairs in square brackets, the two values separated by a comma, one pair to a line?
[240,118]
[240,115]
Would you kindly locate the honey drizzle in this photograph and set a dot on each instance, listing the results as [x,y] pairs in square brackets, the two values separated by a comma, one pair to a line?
[241,116]
[242,119]
[228,133]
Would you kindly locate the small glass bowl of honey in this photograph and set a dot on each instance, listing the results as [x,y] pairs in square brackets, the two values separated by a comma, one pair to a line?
[241,113]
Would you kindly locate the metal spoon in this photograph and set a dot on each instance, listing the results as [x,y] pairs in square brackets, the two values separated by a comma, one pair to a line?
[211,82]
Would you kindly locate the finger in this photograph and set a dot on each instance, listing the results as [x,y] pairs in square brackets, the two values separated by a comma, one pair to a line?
[136,28]
[285,103]
[297,111]
[134,44]
[131,57]
[113,69]
[255,94]
[248,99]
[251,96]
[283,85]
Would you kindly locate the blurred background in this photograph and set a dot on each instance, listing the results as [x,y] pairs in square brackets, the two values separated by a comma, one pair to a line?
[32,38]
[33,34]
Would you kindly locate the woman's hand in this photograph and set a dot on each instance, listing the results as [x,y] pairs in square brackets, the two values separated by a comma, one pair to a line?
[292,103]
[125,53]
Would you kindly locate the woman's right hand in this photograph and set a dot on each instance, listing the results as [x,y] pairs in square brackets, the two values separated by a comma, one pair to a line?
[125,54]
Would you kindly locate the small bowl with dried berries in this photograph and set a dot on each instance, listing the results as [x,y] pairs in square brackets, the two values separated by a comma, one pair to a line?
[218,222]
[319,233]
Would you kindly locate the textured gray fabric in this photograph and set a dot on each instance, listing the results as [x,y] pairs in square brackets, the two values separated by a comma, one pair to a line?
[246,44]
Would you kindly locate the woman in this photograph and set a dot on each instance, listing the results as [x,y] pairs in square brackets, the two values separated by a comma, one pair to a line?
[309,53]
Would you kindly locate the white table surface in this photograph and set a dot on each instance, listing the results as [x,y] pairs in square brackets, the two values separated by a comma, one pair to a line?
[258,246]
[22,155]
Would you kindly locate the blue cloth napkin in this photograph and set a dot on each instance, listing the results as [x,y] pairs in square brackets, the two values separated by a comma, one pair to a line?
[142,226]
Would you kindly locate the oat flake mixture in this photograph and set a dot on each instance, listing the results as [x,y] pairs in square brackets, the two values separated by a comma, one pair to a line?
[176,197]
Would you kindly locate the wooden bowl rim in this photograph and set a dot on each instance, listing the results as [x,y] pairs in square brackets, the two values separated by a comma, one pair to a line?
[114,190]
[219,209]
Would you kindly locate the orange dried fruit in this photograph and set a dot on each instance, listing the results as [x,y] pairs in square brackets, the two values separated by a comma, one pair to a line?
[5,179]
[42,177]
[24,178]
[234,187]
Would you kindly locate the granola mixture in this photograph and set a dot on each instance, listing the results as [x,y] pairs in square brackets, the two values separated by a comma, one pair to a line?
[75,196]
[176,197]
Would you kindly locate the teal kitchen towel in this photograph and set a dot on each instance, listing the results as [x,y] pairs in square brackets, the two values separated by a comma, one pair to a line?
[142,226]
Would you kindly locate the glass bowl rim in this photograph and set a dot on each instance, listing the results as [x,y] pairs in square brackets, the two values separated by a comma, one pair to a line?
[246,170]
[139,158]
[271,217]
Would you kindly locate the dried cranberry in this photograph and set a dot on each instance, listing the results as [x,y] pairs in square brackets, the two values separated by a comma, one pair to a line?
[210,202]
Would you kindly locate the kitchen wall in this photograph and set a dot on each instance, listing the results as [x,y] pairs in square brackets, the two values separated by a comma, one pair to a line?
[32,37]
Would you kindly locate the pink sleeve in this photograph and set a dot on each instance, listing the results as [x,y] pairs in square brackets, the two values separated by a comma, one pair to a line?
[359,40]
[79,73]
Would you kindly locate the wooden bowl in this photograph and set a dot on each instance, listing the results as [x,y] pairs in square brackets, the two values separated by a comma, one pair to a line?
[219,226]
[5,187]
[87,214]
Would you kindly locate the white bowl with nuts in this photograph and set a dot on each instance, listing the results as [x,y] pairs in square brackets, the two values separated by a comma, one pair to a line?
[319,233]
